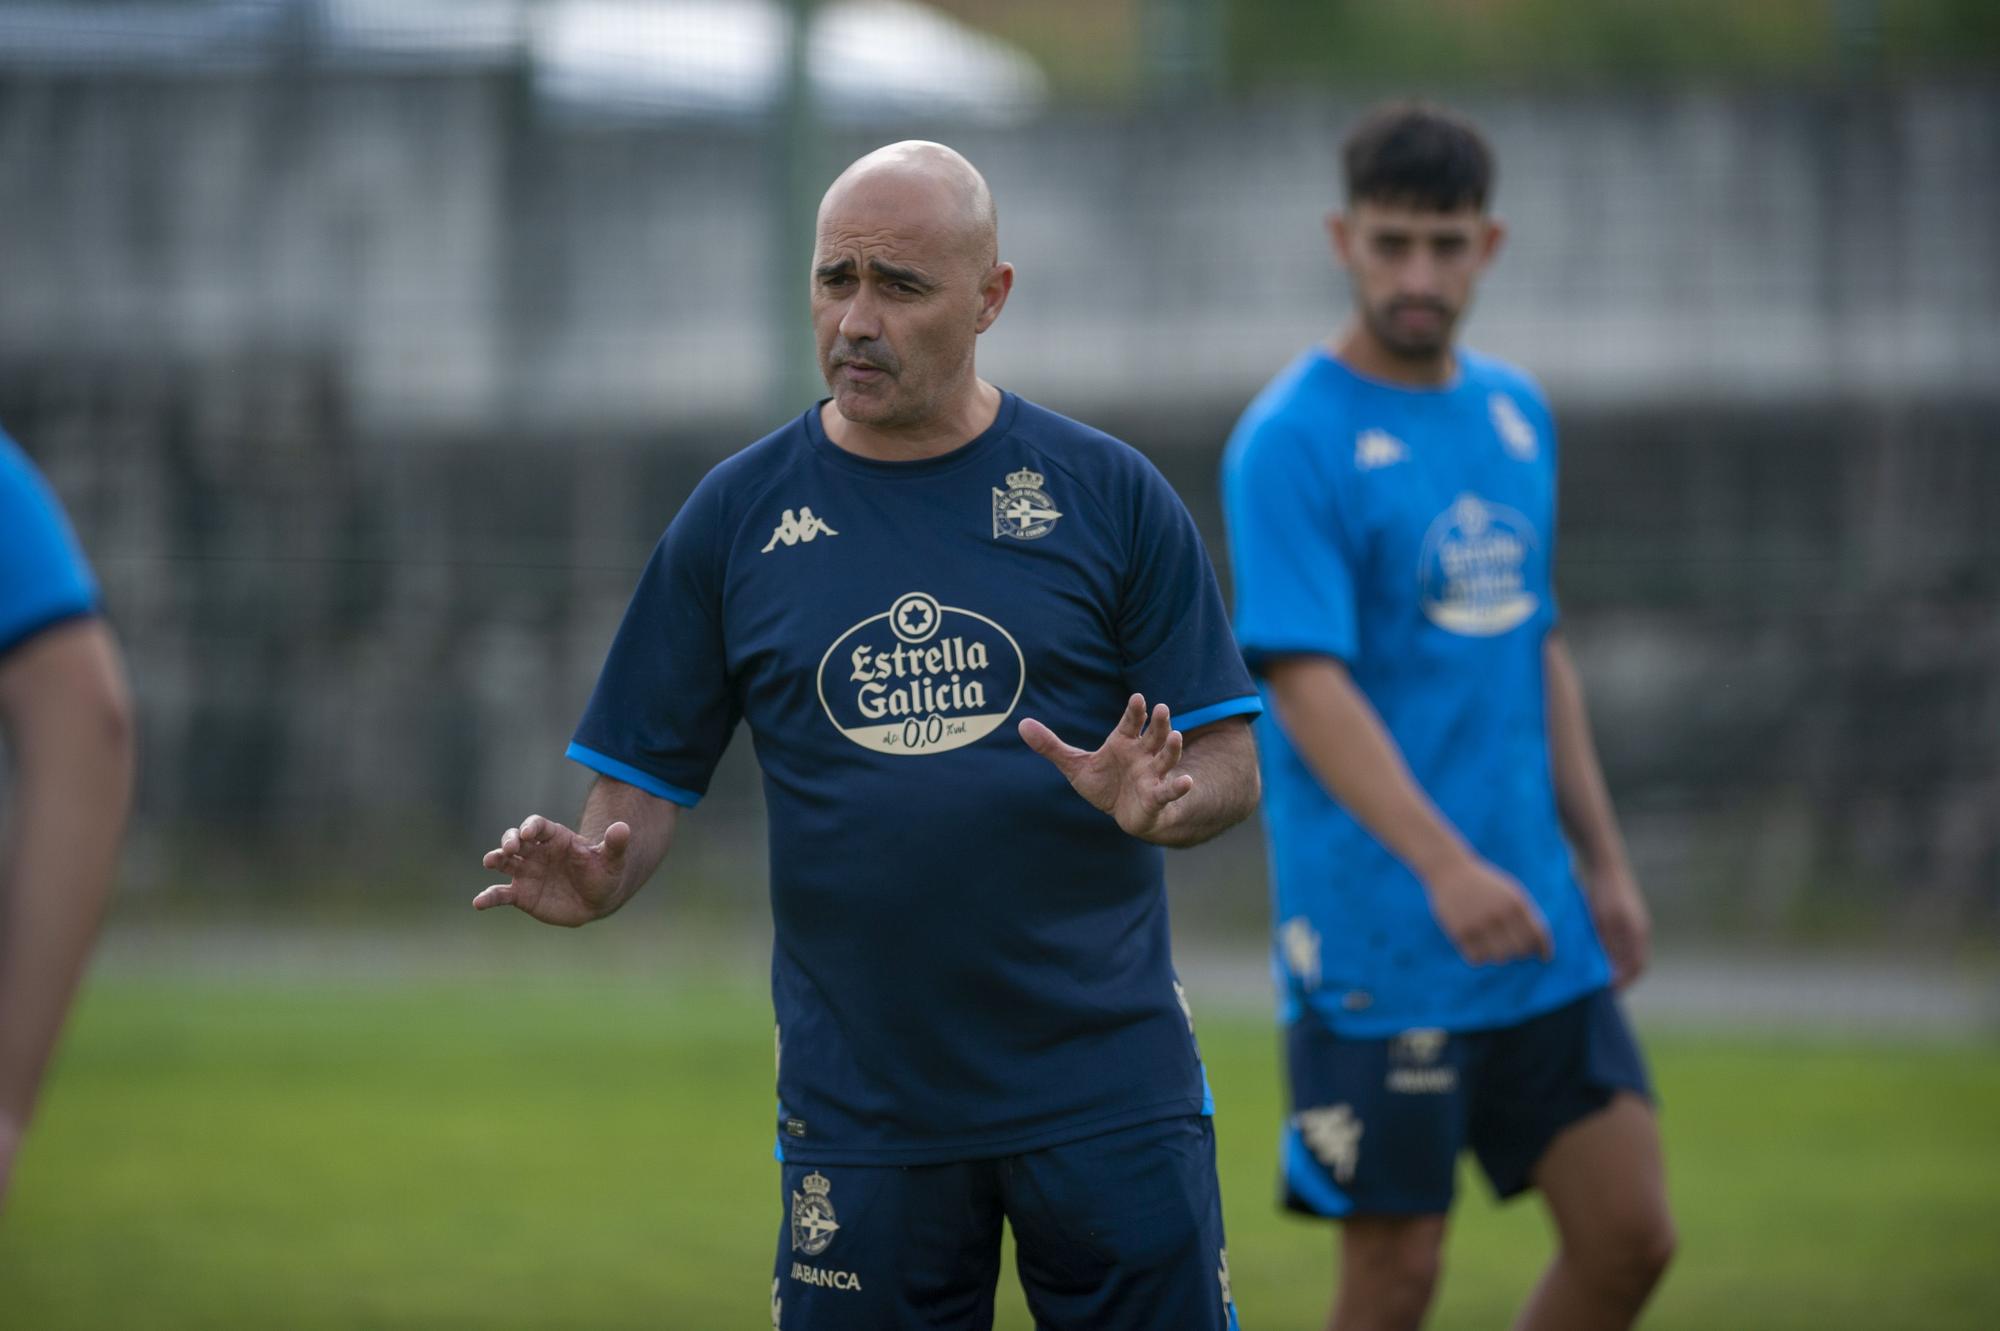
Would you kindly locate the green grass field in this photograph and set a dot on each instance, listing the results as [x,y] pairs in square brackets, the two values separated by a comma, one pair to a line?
[560,1151]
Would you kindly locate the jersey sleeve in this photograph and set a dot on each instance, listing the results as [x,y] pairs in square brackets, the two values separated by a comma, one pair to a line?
[1292,562]
[1173,633]
[44,578]
[664,710]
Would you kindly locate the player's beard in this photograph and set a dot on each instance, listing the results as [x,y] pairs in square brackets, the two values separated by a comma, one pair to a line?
[1407,344]
[876,403]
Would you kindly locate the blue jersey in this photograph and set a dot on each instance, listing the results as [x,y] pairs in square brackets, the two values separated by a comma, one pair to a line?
[1408,533]
[970,960]
[43,577]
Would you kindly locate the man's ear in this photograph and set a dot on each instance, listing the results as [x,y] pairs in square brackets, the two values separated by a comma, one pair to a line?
[993,295]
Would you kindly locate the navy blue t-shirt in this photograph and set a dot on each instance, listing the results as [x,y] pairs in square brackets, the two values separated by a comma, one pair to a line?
[970,960]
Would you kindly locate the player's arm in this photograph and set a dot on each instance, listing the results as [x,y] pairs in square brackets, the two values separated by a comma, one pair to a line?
[68,722]
[1583,801]
[569,876]
[1342,739]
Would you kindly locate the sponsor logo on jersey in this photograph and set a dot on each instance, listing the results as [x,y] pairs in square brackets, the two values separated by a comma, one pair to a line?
[921,677]
[1473,569]
[813,1223]
[1378,448]
[800,528]
[1023,510]
[1413,1063]
[1333,1134]
[813,1275]
[1298,943]
[1517,436]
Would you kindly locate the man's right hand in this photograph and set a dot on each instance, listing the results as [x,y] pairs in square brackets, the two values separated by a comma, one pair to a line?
[555,875]
[1486,913]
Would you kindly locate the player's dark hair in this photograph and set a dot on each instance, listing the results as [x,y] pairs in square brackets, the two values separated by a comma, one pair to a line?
[1418,156]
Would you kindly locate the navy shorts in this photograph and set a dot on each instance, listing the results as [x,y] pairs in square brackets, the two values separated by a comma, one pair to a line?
[1122,1230]
[1377,1124]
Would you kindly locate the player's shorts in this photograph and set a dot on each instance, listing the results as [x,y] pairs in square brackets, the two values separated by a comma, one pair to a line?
[1377,1124]
[1119,1232]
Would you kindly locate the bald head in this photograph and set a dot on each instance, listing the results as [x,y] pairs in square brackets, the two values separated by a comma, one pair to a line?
[927,187]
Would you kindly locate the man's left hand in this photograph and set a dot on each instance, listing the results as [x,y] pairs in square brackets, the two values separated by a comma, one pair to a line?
[1131,776]
[1623,923]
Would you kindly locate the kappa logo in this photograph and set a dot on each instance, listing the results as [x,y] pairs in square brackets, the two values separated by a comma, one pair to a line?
[800,528]
[1222,1275]
[1187,1008]
[1022,510]
[777,1304]
[1378,448]
[1298,941]
[1333,1134]
[813,1224]
[1517,436]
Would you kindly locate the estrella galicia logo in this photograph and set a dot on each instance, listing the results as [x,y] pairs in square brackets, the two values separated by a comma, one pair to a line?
[1473,569]
[921,677]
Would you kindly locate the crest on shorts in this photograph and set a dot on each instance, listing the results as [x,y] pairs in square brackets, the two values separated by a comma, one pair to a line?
[813,1225]
[1023,510]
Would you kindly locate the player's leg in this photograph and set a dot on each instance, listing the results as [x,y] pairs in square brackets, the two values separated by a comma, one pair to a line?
[1563,1104]
[1123,1232]
[882,1248]
[1373,1141]
[1605,1183]
[1389,1268]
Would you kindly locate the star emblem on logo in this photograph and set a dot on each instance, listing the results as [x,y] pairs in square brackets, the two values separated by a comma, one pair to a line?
[914,617]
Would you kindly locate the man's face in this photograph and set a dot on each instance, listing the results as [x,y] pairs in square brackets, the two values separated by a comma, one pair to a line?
[900,294]
[1413,269]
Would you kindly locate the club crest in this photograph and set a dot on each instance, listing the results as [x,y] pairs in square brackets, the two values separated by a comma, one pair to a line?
[813,1225]
[1023,510]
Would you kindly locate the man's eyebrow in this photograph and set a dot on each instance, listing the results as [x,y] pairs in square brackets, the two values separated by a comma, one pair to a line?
[898,273]
[834,268]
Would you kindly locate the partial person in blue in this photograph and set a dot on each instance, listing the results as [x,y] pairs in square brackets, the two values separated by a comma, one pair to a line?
[915,593]
[1441,956]
[67,719]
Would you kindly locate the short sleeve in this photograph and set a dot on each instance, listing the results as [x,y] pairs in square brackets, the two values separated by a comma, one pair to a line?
[663,710]
[1173,633]
[44,578]
[1292,562]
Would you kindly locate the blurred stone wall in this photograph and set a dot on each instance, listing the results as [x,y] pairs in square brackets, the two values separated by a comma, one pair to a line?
[369,396]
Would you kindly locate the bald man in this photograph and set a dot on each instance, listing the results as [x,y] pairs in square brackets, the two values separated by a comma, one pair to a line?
[917,593]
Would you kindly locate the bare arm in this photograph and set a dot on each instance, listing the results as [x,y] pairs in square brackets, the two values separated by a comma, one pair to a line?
[68,721]
[1146,771]
[1583,801]
[1344,742]
[570,876]
[1221,759]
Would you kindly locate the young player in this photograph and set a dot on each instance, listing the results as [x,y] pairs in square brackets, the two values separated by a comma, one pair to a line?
[1445,980]
[68,726]
[910,593]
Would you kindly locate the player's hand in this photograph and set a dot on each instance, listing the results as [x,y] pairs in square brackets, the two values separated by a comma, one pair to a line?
[1131,775]
[554,874]
[1624,925]
[1487,914]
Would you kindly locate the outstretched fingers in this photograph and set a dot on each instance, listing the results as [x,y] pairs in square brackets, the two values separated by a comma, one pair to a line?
[1047,743]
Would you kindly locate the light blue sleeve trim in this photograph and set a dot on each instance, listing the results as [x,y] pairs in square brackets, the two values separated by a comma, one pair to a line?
[1252,705]
[1207,1094]
[630,775]
[778,1148]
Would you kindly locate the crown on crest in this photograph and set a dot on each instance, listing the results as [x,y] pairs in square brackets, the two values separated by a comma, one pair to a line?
[816,1184]
[1025,479]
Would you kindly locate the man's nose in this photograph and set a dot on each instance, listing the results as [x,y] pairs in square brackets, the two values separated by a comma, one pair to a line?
[861,320]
